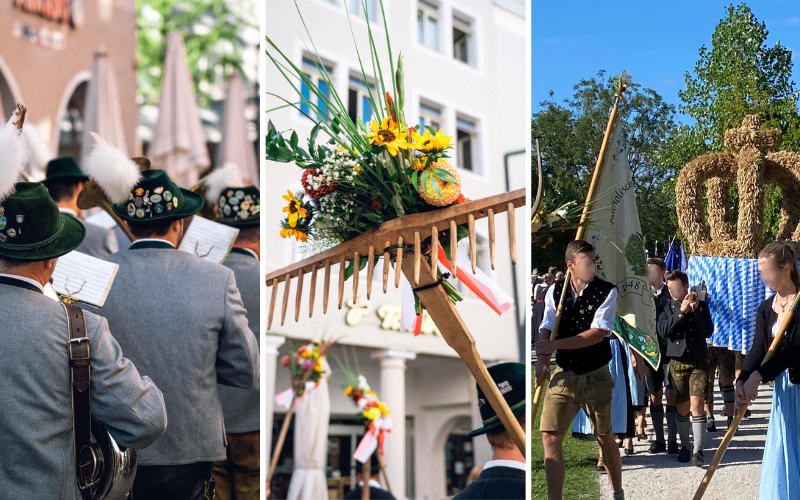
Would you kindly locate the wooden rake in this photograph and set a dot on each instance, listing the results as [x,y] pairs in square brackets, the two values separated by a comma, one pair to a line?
[402,237]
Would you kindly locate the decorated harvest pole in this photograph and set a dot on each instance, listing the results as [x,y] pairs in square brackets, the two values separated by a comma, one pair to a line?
[579,234]
[737,419]
[305,365]
[409,260]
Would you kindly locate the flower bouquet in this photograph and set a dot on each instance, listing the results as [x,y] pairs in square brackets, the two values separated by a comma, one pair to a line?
[545,223]
[363,174]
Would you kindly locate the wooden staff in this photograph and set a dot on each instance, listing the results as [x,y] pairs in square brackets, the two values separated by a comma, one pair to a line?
[365,475]
[723,446]
[383,471]
[568,276]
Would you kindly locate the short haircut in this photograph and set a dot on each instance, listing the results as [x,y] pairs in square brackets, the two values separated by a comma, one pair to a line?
[60,191]
[659,262]
[500,438]
[677,275]
[249,235]
[576,247]
[149,229]
[11,264]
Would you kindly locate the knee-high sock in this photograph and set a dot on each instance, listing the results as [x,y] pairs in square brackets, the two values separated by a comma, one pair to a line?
[657,415]
[699,428]
[672,426]
[683,430]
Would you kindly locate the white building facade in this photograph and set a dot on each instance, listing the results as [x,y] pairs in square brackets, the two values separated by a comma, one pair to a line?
[465,73]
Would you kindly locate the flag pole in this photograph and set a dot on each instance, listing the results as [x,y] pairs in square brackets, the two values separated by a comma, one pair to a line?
[723,446]
[579,234]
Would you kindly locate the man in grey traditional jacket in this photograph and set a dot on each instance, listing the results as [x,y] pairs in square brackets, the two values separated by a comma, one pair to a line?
[180,319]
[36,419]
[237,477]
[65,182]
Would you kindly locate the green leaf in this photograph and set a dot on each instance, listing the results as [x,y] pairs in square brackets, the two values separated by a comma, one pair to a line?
[293,140]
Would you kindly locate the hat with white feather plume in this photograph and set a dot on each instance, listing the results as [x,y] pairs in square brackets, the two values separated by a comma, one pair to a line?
[32,228]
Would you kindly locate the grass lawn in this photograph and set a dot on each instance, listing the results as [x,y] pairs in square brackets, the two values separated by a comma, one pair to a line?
[580,482]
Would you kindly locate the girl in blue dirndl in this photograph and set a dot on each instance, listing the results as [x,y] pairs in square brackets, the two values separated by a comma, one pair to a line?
[780,468]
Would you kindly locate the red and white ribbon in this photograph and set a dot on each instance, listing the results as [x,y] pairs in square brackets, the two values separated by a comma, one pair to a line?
[480,284]
[373,439]
[284,398]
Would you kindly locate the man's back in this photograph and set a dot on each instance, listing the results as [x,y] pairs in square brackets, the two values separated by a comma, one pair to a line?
[180,320]
[241,406]
[36,399]
[100,242]
[496,483]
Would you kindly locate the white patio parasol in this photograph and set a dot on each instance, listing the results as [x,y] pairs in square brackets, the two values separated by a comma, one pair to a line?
[102,114]
[179,144]
[235,146]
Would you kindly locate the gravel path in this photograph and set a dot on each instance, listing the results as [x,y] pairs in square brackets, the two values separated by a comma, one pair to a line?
[661,477]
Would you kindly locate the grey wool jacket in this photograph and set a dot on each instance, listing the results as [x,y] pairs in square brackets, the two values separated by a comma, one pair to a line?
[241,406]
[181,321]
[36,398]
[99,241]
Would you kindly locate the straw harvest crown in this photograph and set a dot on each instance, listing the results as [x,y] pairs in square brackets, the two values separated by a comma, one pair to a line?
[751,163]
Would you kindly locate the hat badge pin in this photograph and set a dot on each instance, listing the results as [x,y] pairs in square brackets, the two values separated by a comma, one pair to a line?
[20,218]
[504,387]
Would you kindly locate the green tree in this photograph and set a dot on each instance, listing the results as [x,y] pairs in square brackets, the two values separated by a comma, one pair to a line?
[570,134]
[210,29]
[741,74]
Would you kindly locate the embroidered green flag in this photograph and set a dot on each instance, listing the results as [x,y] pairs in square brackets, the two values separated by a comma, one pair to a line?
[616,234]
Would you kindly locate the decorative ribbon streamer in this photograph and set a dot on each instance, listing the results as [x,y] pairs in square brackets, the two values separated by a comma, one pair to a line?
[284,398]
[480,284]
[373,439]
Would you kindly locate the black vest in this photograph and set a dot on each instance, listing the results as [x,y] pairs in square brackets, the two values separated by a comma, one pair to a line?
[577,318]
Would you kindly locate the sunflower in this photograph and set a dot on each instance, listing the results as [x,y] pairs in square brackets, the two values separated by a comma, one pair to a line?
[295,208]
[428,142]
[388,134]
[299,234]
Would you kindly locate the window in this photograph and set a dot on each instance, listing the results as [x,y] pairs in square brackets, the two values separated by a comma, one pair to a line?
[357,7]
[428,24]
[358,105]
[462,39]
[466,134]
[312,72]
[430,115]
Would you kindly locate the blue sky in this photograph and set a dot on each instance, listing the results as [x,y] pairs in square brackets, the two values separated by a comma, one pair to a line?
[656,42]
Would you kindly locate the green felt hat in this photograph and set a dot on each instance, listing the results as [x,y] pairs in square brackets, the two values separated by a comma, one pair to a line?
[240,206]
[157,199]
[510,380]
[64,170]
[33,229]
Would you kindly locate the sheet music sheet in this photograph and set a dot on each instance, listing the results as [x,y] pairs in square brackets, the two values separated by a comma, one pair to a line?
[102,219]
[209,240]
[96,276]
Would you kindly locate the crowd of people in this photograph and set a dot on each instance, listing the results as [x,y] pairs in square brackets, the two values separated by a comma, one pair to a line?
[169,364]
[600,388]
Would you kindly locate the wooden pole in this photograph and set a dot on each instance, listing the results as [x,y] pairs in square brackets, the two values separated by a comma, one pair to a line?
[365,475]
[279,443]
[723,446]
[452,328]
[579,234]
[383,471]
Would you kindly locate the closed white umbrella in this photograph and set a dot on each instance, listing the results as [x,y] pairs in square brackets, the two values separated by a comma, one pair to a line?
[311,444]
[235,146]
[102,114]
[179,144]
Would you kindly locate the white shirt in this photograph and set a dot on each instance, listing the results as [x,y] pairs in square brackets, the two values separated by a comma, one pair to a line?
[372,484]
[603,318]
[68,211]
[249,251]
[141,240]
[506,463]
[25,279]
